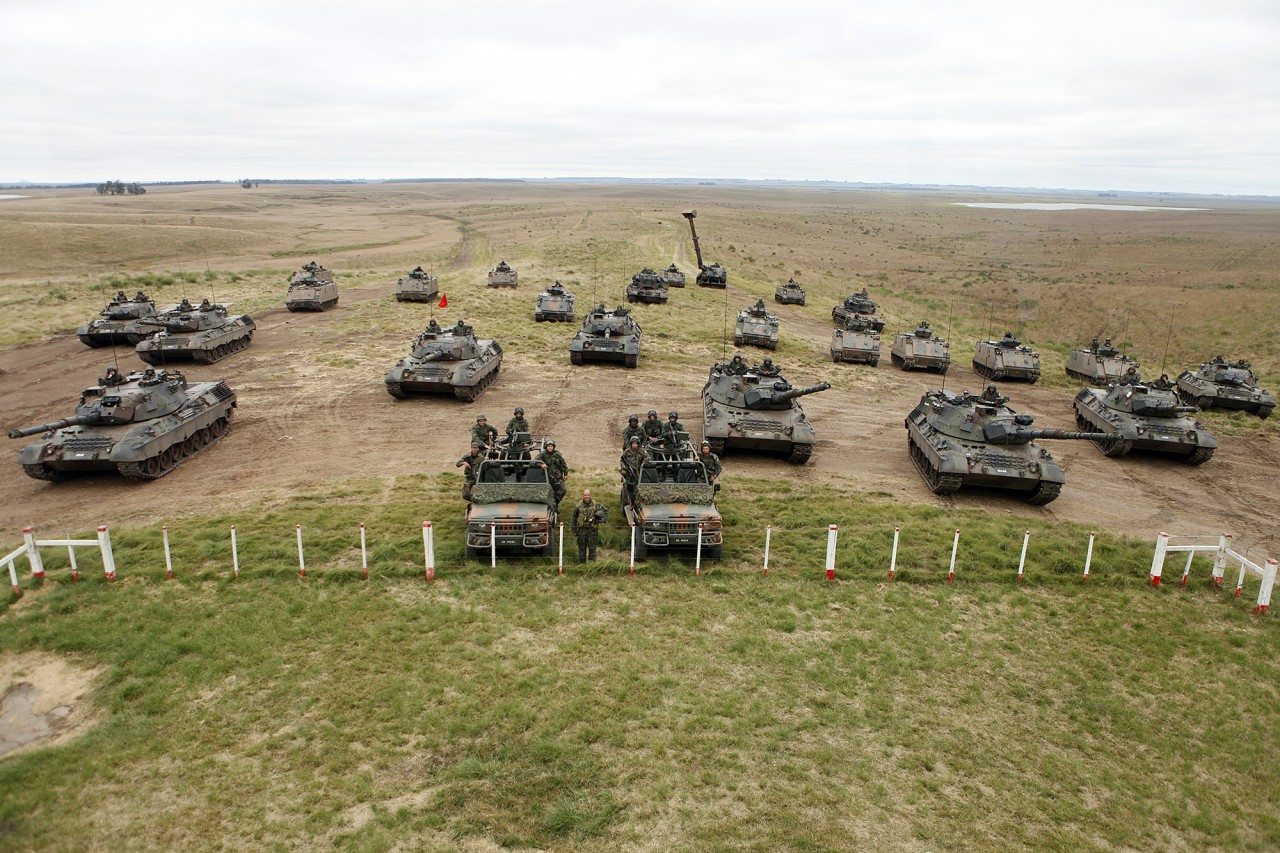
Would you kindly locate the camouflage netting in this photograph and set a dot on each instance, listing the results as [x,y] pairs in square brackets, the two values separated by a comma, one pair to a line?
[494,493]
[675,493]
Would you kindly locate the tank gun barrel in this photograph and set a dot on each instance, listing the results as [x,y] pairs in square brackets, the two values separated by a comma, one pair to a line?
[77,420]
[691,215]
[1000,432]
[800,392]
[1062,433]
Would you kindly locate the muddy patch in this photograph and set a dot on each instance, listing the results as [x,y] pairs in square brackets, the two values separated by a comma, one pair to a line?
[43,701]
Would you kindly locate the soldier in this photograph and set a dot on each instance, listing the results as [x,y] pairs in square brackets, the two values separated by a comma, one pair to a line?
[460,329]
[1131,376]
[433,328]
[185,305]
[633,428]
[768,370]
[518,436]
[671,432]
[113,377]
[205,305]
[758,309]
[588,515]
[140,297]
[652,426]
[557,469]
[1164,383]
[737,367]
[120,297]
[517,424]
[482,433]
[632,459]
[712,463]
[471,468]
[993,396]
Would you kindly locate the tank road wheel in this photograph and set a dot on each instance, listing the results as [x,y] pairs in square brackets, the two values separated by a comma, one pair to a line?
[1114,449]
[92,342]
[394,389]
[1043,493]
[538,317]
[1199,456]
[171,456]
[40,471]
[835,359]
[773,345]
[938,483]
[188,446]
[1033,380]
[148,358]
[800,453]
[737,340]
[642,550]
[981,370]
[575,358]
[717,445]
[199,439]
[1265,412]
[873,362]
[632,360]
[219,428]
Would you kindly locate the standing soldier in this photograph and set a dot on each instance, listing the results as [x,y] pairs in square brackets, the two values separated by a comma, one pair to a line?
[652,426]
[470,465]
[557,469]
[519,445]
[712,463]
[633,429]
[671,432]
[630,464]
[482,433]
[587,518]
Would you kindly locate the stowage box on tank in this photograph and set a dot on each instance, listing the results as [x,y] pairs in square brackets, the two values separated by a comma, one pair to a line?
[446,361]
[118,323]
[921,350]
[1099,363]
[311,289]
[554,303]
[418,286]
[142,425]
[203,333]
[607,336]
[1144,417]
[1006,358]
[1222,384]
[749,411]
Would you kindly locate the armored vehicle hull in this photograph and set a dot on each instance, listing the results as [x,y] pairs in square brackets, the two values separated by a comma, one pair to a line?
[555,304]
[450,361]
[789,293]
[648,287]
[1220,384]
[921,350]
[858,307]
[1144,418]
[673,277]
[669,501]
[208,335]
[418,286]
[607,336]
[855,346]
[503,276]
[512,508]
[1006,359]
[1100,364]
[305,296]
[756,328]
[748,412]
[119,323]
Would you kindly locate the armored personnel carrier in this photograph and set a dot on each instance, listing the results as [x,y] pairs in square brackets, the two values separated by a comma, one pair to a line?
[312,289]
[1144,417]
[856,343]
[1222,384]
[512,500]
[858,303]
[668,498]
[554,303]
[1006,358]
[203,333]
[746,410]
[921,350]
[708,276]
[142,425]
[607,336]
[446,361]
[119,322]
[648,287]
[1099,364]
[971,440]
[503,276]
[756,327]
[418,286]
[790,293]
[673,276]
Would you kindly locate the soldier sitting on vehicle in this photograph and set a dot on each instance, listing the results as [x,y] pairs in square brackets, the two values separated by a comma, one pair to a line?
[768,369]
[629,466]
[632,428]
[652,426]
[1164,383]
[991,394]
[433,328]
[460,329]
[482,433]
[737,366]
[758,310]
[1131,377]
[471,466]
[673,433]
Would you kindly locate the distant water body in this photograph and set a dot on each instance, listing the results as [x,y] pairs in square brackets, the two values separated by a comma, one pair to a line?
[1035,205]
[5,197]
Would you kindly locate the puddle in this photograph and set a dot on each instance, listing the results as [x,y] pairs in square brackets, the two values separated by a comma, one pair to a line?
[21,724]
[43,701]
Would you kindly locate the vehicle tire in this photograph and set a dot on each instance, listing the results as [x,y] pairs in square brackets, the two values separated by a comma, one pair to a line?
[642,550]
[715,552]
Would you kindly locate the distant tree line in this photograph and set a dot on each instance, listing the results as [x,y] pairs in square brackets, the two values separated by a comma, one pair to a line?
[120,188]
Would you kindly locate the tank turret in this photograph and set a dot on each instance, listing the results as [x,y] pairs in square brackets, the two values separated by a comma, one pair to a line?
[446,361]
[709,275]
[744,410]
[607,336]
[1222,384]
[203,333]
[1144,417]
[779,395]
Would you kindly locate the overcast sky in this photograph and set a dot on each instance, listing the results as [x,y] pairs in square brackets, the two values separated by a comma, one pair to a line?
[1122,94]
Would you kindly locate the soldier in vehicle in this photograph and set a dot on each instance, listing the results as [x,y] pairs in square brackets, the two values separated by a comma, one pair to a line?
[557,469]
[1131,376]
[185,305]
[758,309]
[632,459]
[768,369]
[140,297]
[633,428]
[205,305]
[588,515]
[517,424]
[671,432]
[433,328]
[471,468]
[652,426]
[113,377]
[460,329]
[482,433]
[712,463]
[993,396]
[737,366]
[1164,383]
[120,297]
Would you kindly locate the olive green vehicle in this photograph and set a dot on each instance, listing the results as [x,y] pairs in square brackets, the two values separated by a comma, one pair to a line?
[709,275]
[921,350]
[859,303]
[1222,384]
[554,303]
[446,361]
[856,343]
[607,336]
[668,498]
[418,286]
[1099,364]
[756,327]
[503,276]
[1144,417]
[203,333]
[648,287]
[142,426]
[512,501]
[754,412]
[118,323]
[673,277]
[789,293]
[311,289]
[1006,358]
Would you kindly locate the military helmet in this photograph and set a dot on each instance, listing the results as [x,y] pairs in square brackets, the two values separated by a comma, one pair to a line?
[519,410]
[475,445]
[634,418]
[768,359]
[481,418]
[707,445]
[653,413]
[635,439]
[550,442]
[673,415]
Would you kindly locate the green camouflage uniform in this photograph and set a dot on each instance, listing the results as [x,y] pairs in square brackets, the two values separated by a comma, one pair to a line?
[671,431]
[487,435]
[652,427]
[712,463]
[637,431]
[557,471]
[587,518]
[472,463]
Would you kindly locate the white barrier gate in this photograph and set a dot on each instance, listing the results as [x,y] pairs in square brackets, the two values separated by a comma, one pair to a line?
[31,550]
[1222,552]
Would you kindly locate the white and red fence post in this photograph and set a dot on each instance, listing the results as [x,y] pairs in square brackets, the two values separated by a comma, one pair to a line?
[955,547]
[768,534]
[235,553]
[429,550]
[364,554]
[168,558]
[560,558]
[832,532]
[633,548]
[893,555]
[1022,560]
[302,563]
[1088,557]
[493,544]
[33,553]
[697,557]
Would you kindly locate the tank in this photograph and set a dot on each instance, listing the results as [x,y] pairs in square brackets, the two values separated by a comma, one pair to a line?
[503,276]
[1099,364]
[141,426]
[712,275]
[1006,358]
[648,287]
[418,286]
[1144,417]
[607,336]
[668,501]
[856,343]
[756,327]
[971,440]
[118,323]
[858,303]
[748,411]
[790,293]
[921,350]
[673,277]
[203,333]
[554,303]
[446,361]
[1222,384]
[512,499]
[311,289]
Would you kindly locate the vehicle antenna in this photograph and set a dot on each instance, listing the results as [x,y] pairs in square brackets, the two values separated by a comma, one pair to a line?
[724,333]
[951,310]
[1167,339]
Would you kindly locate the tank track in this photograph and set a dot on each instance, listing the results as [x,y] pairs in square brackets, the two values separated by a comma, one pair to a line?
[717,445]
[472,392]
[40,471]
[938,483]
[800,453]
[91,341]
[1199,456]
[576,359]
[1044,492]
[631,361]
[221,351]
[394,389]
[898,361]
[155,467]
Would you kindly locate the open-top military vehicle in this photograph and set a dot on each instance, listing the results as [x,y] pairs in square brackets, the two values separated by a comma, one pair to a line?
[1222,384]
[1006,358]
[856,343]
[446,361]
[503,276]
[119,322]
[972,440]
[1099,364]
[858,303]
[789,293]
[648,287]
[669,498]
[311,289]
[673,277]
[750,411]
[708,276]
[418,286]
[512,500]
[1144,417]
[921,350]
[756,327]
[607,336]
[142,425]
[203,333]
[554,303]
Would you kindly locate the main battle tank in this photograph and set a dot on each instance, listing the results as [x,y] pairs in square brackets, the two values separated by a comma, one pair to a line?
[1099,364]
[418,286]
[312,289]
[1145,417]
[673,276]
[1222,384]
[756,327]
[503,276]
[119,323]
[446,361]
[554,303]
[712,275]
[790,293]
[143,425]
[1006,358]
[921,350]
[858,303]
[205,334]
[759,413]
[648,287]
[971,440]
[607,336]
[856,343]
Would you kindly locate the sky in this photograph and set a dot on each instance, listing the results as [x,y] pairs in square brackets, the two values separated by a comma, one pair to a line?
[1130,95]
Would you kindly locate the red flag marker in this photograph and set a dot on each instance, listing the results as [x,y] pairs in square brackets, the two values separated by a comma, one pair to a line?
[444,300]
